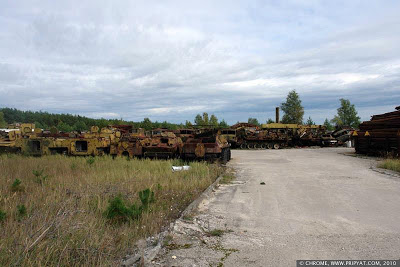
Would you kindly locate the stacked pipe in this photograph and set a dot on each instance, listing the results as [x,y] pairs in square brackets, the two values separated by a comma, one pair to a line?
[380,135]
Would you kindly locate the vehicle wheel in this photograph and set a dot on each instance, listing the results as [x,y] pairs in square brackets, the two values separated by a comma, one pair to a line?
[250,146]
[264,146]
[269,145]
[258,146]
[243,146]
[276,146]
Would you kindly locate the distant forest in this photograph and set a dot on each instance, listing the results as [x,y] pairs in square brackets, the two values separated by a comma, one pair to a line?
[69,122]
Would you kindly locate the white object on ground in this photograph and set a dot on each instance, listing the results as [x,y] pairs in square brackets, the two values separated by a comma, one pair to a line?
[180,168]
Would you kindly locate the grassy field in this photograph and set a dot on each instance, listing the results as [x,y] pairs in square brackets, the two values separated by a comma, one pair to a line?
[53,209]
[390,164]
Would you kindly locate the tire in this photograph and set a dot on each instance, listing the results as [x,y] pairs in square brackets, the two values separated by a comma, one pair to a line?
[250,146]
[276,146]
[263,146]
[243,146]
[269,146]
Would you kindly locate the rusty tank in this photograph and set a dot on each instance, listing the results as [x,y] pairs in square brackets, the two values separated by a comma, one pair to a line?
[209,144]
[161,143]
[129,144]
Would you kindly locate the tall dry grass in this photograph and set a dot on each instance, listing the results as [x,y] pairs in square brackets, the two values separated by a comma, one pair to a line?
[390,164]
[65,224]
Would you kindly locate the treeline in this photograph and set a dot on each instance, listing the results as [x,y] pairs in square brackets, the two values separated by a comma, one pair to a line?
[292,109]
[69,122]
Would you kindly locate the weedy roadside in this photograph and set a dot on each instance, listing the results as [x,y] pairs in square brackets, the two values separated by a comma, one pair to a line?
[390,164]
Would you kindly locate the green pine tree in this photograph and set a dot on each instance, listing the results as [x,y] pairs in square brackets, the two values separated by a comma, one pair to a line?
[328,125]
[346,115]
[198,120]
[223,124]
[188,124]
[310,121]
[293,109]
[213,120]
[205,118]
[270,121]
[253,121]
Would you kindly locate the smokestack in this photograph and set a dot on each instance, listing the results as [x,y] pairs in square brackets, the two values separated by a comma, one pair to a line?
[277,115]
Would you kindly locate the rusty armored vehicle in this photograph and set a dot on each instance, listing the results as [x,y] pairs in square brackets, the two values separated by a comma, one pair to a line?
[209,144]
[230,135]
[9,136]
[268,136]
[184,134]
[129,144]
[161,143]
[36,142]
[276,135]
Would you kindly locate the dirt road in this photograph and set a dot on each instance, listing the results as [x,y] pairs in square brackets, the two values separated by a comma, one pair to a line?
[315,204]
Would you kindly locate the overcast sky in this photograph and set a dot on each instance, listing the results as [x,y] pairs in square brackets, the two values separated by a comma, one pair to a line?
[169,60]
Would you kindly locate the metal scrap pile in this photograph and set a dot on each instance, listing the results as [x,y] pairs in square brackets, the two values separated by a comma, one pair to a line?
[380,135]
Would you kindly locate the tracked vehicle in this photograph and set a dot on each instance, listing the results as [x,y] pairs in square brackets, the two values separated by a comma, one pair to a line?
[207,145]
[129,144]
[161,143]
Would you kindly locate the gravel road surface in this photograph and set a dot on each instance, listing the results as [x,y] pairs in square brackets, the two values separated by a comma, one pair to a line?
[315,204]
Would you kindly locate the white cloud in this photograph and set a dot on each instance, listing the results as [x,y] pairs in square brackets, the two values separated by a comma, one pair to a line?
[172,60]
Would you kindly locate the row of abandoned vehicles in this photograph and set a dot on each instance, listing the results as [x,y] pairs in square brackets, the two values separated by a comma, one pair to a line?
[188,144]
[379,136]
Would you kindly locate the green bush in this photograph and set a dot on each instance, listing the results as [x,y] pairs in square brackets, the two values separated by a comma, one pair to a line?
[90,160]
[119,211]
[16,186]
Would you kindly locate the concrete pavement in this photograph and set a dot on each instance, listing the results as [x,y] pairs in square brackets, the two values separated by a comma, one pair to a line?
[316,204]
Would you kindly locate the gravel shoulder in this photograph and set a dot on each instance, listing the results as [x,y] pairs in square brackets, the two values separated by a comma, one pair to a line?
[315,204]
